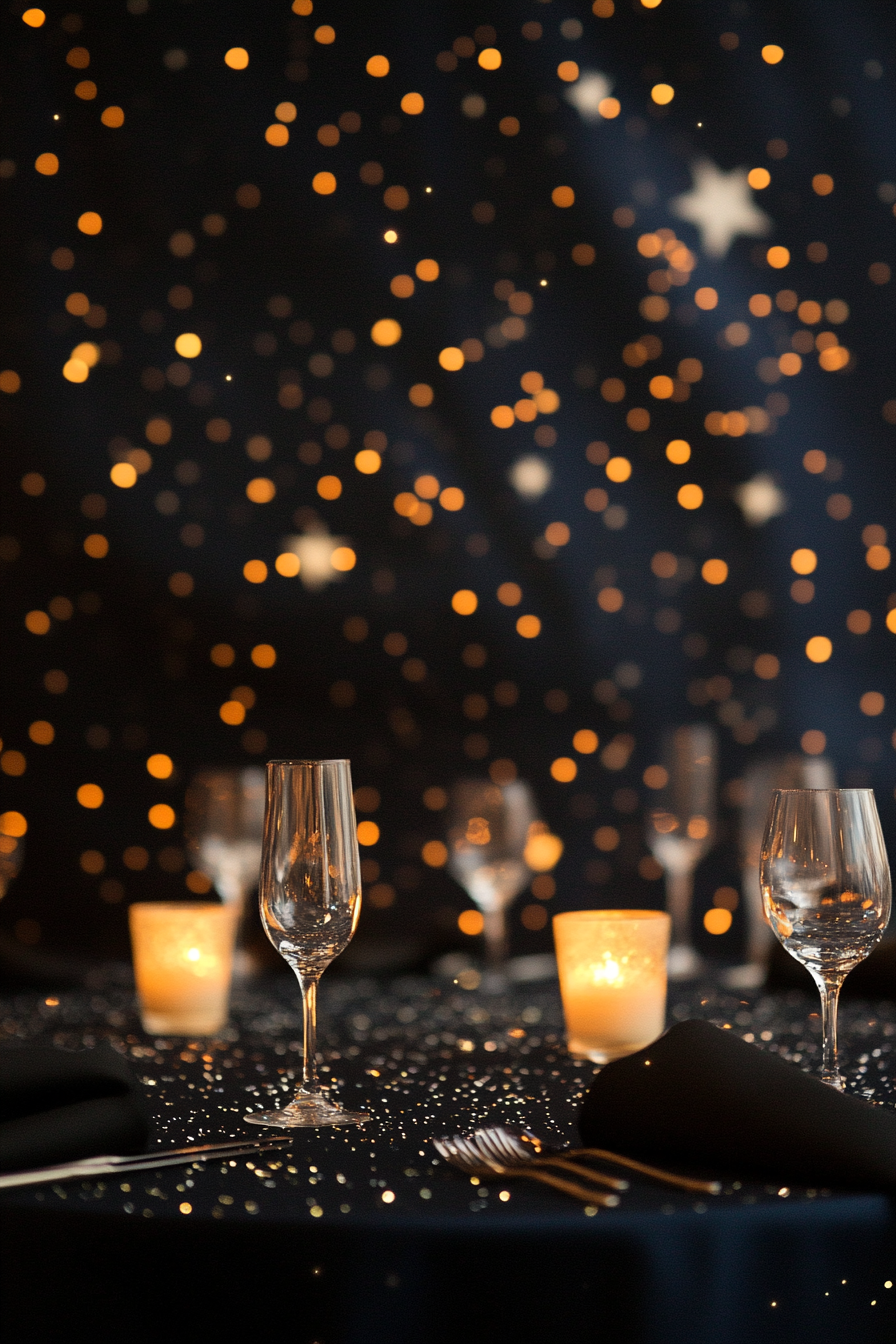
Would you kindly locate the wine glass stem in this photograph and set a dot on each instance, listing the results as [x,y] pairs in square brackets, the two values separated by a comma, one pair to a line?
[495,929]
[679,894]
[830,995]
[309,1016]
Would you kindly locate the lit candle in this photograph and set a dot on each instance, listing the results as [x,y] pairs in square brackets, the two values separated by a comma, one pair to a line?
[183,961]
[612,966]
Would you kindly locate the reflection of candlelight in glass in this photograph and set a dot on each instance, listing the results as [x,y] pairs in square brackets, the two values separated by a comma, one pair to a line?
[183,961]
[612,966]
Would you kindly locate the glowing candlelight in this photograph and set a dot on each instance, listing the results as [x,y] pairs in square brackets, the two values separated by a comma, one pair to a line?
[612,966]
[183,961]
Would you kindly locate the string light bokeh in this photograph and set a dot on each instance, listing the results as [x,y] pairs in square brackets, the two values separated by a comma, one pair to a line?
[454,396]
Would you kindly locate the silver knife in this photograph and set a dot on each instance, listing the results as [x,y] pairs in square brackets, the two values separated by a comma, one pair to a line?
[89,1167]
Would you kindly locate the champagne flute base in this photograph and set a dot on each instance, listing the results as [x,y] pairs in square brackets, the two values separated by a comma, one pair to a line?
[832,1078]
[310,1114]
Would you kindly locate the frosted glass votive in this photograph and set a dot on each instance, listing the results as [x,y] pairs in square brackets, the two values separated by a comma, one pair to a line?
[183,963]
[612,966]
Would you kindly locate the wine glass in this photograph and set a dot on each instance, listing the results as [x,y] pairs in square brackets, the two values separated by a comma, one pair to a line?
[680,830]
[310,900]
[224,824]
[760,780]
[489,826]
[12,852]
[825,889]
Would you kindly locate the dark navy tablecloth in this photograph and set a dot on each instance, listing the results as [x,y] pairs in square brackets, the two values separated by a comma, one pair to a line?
[361,1236]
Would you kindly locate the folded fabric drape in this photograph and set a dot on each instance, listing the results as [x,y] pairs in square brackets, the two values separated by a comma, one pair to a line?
[59,1105]
[702,1097]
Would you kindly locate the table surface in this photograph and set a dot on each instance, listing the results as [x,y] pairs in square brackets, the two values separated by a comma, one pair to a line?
[424,1057]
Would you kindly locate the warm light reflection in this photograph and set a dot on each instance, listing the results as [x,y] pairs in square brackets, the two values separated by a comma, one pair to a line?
[714,571]
[464,602]
[678,451]
[690,496]
[804,561]
[90,796]
[385,332]
[188,345]
[819,649]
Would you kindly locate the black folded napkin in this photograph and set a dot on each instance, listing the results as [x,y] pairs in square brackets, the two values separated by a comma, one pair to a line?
[59,1106]
[703,1098]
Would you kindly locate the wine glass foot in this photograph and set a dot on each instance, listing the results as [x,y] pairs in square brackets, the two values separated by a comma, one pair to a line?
[683,963]
[308,1110]
[832,1078]
[307,1115]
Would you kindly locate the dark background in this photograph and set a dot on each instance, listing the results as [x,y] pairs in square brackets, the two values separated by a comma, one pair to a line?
[137,656]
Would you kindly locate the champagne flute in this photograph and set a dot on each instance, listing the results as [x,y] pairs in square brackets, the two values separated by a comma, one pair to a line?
[825,889]
[310,900]
[489,827]
[680,831]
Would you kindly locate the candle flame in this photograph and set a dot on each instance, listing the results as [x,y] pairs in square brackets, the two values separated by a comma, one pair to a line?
[607,971]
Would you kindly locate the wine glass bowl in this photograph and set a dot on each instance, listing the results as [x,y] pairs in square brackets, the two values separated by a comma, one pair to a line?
[310,901]
[760,780]
[826,889]
[680,830]
[489,827]
[224,823]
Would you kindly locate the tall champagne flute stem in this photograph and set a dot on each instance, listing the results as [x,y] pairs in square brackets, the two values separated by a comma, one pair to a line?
[679,895]
[829,989]
[495,930]
[309,1021]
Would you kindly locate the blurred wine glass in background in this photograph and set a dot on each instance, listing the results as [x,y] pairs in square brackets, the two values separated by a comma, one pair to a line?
[224,825]
[760,781]
[680,830]
[12,851]
[489,828]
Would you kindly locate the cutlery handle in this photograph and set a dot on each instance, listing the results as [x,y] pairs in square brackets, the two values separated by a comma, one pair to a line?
[91,1167]
[569,1187]
[611,1182]
[657,1173]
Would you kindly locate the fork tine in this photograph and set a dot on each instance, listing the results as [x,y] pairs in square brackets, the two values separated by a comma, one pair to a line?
[459,1153]
[500,1143]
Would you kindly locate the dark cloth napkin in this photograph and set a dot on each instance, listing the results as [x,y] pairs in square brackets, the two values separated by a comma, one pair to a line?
[60,1105]
[704,1099]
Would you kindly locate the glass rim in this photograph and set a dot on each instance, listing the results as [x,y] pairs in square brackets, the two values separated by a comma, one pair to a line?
[338,760]
[606,916]
[180,905]
[862,790]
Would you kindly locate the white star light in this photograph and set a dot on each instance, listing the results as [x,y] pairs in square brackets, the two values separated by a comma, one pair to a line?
[315,550]
[587,94]
[721,207]
[530,476]
[760,499]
